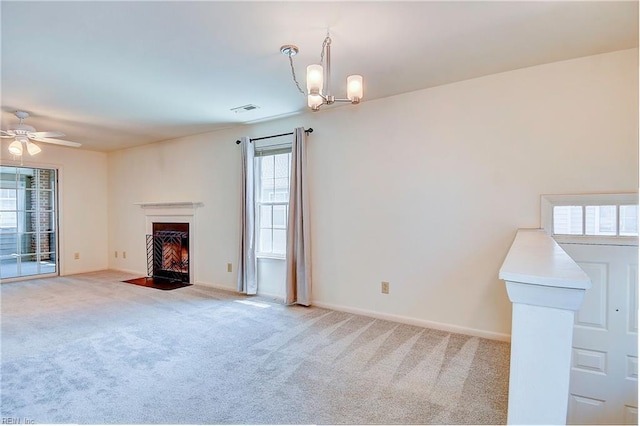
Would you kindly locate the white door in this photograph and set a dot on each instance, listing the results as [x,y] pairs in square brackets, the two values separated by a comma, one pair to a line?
[604,370]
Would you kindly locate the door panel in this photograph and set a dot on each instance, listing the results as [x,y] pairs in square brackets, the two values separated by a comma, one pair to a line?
[583,410]
[630,415]
[593,314]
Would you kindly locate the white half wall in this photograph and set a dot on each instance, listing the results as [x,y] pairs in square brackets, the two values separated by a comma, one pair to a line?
[424,190]
[82,195]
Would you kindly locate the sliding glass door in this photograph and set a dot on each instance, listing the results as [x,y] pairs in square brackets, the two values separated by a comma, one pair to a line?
[28,222]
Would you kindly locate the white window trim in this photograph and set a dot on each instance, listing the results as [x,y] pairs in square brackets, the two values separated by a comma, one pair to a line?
[275,148]
[548,202]
[260,254]
[271,256]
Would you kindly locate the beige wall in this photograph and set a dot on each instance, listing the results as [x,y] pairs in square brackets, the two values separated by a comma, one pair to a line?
[424,190]
[203,168]
[83,206]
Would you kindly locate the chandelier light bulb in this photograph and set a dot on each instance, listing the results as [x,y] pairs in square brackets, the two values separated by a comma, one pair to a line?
[15,148]
[355,88]
[314,79]
[314,102]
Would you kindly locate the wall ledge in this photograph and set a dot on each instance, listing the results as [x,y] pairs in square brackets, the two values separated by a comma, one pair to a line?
[535,258]
[170,204]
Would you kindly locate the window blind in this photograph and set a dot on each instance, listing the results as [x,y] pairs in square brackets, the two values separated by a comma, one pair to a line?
[283,148]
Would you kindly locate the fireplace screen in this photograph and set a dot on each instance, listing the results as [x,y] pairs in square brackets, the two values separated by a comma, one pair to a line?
[168,253]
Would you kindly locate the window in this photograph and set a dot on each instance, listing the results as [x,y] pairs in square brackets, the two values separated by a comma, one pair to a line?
[8,207]
[272,171]
[591,216]
[600,220]
[595,220]
[567,220]
[629,220]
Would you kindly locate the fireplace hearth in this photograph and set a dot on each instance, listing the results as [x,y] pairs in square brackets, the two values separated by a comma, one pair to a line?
[168,252]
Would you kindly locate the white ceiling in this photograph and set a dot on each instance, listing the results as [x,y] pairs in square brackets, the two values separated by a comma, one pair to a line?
[118,74]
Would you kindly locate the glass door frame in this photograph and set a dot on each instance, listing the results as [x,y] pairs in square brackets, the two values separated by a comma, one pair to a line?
[21,231]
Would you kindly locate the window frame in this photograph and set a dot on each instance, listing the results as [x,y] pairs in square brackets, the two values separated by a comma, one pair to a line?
[548,202]
[260,152]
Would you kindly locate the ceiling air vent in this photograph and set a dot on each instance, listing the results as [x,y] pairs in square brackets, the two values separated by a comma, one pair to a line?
[244,108]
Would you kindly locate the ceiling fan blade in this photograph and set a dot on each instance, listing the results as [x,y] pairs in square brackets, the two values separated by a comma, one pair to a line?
[46,134]
[5,134]
[57,142]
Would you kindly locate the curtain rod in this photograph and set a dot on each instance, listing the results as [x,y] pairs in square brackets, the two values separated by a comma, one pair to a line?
[309,130]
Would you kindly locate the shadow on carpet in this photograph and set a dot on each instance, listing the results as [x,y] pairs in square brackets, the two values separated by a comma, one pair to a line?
[158,283]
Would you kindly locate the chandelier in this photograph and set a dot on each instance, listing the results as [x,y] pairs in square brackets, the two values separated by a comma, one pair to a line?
[318,78]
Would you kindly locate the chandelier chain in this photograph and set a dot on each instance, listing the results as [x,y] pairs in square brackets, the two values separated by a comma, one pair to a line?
[293,73]
[327,40]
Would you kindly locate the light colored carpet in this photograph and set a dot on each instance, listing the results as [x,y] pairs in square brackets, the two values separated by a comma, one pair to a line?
[91,349]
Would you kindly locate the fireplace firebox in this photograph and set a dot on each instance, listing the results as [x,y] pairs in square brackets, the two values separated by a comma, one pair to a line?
[168,252]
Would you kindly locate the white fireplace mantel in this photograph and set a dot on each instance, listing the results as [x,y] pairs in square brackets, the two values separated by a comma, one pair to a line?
[170,204]
[170,208]
[174,212]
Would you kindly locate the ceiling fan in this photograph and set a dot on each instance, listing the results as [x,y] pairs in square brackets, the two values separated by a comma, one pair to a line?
[24,134]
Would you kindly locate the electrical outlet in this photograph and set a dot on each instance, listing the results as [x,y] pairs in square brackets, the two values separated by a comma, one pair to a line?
[76,255]
[115,254]
[229,267]
[124,254]
[384,288]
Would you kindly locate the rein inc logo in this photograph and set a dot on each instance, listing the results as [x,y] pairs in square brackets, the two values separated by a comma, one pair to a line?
[17,421]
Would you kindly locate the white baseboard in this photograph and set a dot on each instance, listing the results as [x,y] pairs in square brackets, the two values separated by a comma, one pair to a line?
[417,322]
[273,297]
[129,271]
[216,286]
[87,271]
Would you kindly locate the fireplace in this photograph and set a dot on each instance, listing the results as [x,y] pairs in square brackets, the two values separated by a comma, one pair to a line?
[167,216]
[168,252]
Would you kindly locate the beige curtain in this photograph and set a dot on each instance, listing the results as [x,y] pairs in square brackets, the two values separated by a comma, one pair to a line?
[298,283]
[247,282]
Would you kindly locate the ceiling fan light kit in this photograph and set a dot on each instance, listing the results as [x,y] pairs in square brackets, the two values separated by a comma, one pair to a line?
[23,134]
[318,79]
[15,148]
[32,148]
